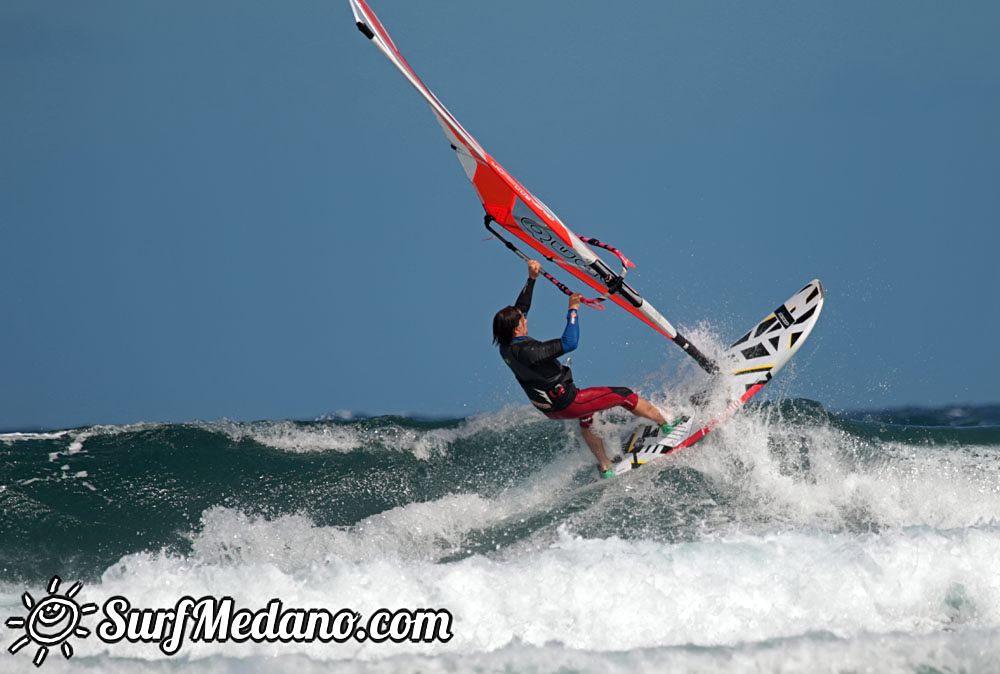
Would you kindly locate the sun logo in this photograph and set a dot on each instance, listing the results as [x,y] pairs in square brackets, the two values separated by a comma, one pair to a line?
[51,621]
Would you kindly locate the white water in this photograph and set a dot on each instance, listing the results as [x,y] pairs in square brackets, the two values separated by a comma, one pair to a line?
[973,651]
[852,564]
[422,443]
[820,592]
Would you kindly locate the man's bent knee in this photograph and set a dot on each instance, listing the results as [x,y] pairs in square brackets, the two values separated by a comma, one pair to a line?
[629,397]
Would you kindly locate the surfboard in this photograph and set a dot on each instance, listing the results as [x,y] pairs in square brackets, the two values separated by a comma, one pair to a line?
[748,366]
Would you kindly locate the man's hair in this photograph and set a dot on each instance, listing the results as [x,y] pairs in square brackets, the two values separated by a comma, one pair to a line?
[504,324]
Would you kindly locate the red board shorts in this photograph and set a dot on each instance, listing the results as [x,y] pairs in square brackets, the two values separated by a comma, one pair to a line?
[596,399]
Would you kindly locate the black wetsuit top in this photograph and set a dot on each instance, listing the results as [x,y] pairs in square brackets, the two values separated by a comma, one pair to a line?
[548,383]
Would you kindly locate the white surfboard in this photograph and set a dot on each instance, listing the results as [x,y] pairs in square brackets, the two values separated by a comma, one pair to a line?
[748,365]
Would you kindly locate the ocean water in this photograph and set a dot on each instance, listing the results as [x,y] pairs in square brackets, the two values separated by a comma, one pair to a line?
[792,540]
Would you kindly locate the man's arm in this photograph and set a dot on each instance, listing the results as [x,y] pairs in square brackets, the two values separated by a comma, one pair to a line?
[571,334]
[557,347]
[523,301]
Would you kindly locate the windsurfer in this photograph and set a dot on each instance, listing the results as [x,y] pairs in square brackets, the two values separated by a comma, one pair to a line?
[549,384]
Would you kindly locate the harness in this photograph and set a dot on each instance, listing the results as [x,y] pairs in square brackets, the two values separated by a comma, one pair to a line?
[548,383]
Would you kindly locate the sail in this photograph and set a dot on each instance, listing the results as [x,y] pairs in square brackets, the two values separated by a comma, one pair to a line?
[515,208]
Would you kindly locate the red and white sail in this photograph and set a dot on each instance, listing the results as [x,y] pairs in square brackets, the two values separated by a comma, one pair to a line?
[509,203]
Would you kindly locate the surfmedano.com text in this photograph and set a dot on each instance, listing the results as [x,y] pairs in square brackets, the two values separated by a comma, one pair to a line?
[209,620]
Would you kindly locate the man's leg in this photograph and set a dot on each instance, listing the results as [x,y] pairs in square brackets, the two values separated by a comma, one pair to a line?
[596,445]
[598,398]
[647,410]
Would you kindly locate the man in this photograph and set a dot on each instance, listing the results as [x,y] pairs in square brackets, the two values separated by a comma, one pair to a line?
[549,383]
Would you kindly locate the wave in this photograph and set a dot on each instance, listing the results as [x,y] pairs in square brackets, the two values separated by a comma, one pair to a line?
[823,536]
[81,499]
[585,594]
[970,651]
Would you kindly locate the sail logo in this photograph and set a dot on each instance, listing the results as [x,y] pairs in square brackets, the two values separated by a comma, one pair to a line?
[543,234]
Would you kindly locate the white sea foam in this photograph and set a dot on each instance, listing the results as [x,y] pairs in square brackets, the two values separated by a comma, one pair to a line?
[600,595]
[421,442]
[10,438]
[423,531]
[77,437]
[969,651]
[819,474]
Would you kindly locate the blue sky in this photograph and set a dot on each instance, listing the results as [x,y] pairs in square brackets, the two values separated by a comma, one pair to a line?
[239,209]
